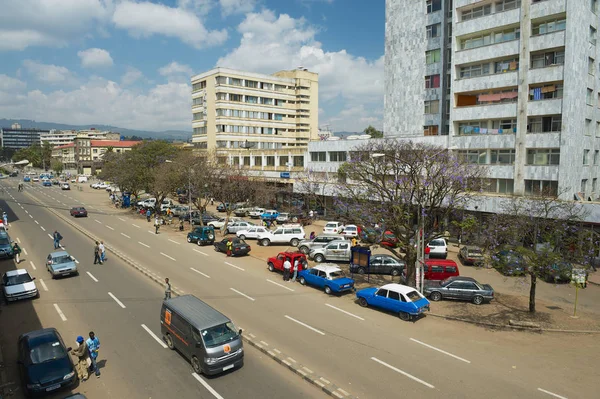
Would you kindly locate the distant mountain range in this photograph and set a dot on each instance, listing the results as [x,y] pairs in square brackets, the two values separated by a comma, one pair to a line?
[166,135]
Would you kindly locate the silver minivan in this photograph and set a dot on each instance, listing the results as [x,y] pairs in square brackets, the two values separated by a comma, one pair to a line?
[338,250]
[206,337]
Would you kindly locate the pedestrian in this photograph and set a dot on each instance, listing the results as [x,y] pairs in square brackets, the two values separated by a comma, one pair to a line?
[83,358]
[180,224]
[102,251]
[212,201]
[5,219]
[229,247]
[312,235]
[57,238]
[148,214]
[97,258]
[167,289]
[295,270]
[156,224]
[311,214]
[93,344]
[17,252]
[354,241]
[286,269]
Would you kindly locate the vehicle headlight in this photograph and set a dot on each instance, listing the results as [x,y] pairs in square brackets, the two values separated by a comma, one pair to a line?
[69,376]
[237,352]
[33,386]
[210,360]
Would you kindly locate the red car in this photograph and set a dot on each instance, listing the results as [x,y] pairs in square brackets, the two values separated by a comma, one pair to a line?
[389,239]
[276,262]
[438,269]
[78,211]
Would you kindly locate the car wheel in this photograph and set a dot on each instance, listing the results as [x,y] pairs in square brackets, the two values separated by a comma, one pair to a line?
[294,242]
[435,296]
[361,270]
[271,267]
[199,243]
[242,237]
[363,302]
[196,365]
[295,219]
[264,242]
[328,290]
[395,272]
[404,316]
[478,300]
[217,249]
[169,341]
[189,239]
[302,281]
[319,258]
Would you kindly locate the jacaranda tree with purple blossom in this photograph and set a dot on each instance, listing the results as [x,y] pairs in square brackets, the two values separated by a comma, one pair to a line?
[388,182]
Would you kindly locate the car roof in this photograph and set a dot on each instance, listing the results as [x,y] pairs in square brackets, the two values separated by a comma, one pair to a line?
[40,333]
[328,267]
[195,311]
[441,262]
[16,272]
[402,289]
[461,278]
[58,254]
[334,222]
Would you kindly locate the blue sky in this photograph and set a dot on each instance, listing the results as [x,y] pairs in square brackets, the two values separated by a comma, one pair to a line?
[128,63]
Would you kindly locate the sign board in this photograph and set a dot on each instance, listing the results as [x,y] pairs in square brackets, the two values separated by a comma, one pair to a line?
[578,276]
[284,175]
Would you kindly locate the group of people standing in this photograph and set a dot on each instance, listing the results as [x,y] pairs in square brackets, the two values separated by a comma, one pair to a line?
[87,355]
[289,269]
[99,253]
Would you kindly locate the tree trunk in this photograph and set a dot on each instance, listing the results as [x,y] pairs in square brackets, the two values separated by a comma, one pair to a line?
[532,293]
[410,259]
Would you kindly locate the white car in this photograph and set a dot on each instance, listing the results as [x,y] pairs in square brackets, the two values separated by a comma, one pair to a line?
[219,224]
[148,203]
[438,248]
[256,213]
[102,186]
[35,178]
[252,232]
[350,230]
[18,284]
[283,217]
[286,234]
[333,228]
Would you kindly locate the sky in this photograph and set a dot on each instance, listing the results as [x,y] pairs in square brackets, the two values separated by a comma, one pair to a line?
[128,63]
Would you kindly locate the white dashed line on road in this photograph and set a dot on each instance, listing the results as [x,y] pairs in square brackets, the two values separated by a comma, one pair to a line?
[154,336]
[175,242]
[43,285]
[108,227]
[42,227]
[551,394]
[123,220]
[242,294]
[116,300]
[343,311]
[31,216]
[18,240]
[141,243]
[237,267]
[304,325]
[26,211]
[36,222]
[60,313]
[92,277]
[404,373]
[200,252]
[151,232]
[441,351]
[281,285]
[32,265]
[135,225]
[96,220]
[125,235]
[199,272]
[25,252]
[167,256]
[208,387]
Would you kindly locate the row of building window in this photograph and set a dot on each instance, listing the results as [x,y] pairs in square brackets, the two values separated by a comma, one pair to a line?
[536,92]
[538,60]
[499,6]
[535,124]
[250,99]
[247,129]
[252,84]
[532,187]
[269,160]
[334,156]
[199,86]
[235,113]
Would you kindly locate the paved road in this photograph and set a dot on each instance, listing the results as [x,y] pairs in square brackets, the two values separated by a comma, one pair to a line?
[366,352]
[134,364]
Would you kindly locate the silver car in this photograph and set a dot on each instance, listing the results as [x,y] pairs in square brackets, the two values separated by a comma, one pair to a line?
[60,263]
[337,250]
[18,284]
[237,226]
[318,242]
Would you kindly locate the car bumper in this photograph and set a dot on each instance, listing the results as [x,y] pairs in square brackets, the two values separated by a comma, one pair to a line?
[43,391]
[344,289]
[213,369]
[25,295]
[6,255]
[66,272]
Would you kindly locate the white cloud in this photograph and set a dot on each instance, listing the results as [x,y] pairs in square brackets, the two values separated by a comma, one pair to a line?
[94,58]
[270,43]
[48,73]
[229,7]
[200,7]
[131,76]
[147,19]
[10,84]
[175,68]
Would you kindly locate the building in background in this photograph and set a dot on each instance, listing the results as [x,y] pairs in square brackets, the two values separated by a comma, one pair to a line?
[261,122]
[16,137]
[63,137]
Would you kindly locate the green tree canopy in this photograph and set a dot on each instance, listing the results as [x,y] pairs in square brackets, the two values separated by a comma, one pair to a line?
[374,133]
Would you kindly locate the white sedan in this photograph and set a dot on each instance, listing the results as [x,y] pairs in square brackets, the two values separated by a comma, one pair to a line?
[350,230]
[333,228]
[219,224]
[252,232]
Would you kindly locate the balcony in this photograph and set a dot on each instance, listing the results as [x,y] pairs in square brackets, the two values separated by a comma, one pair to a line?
[488,52]
[490,111]
[543,140]
[551,73]
[497,141]
[541,172]
[548,7]
[503,18]
[545,107]
[547,41]
[492,81]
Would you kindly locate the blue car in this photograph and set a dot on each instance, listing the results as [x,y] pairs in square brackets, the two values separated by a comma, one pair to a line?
[27,179]
[400,299]
[328,277]
[47,183]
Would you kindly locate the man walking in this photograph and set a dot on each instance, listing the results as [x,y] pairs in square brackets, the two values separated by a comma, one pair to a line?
[286,269]
[83,354]
[17,252]
[148,214]
[97,253]
[102,251]
[5,220]
[167,289]
[57,237]
[156,224]
[93,344]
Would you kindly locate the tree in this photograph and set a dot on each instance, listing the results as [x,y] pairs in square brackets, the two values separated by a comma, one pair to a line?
[374,133]
[316,188]
[57,166]
[399,183]
[46,154]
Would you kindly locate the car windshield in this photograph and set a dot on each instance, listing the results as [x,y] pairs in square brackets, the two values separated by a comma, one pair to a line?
[219,335]
[475,252]
[413,296]
[4,241]
[45,349]
[331,225]
[18,279]
[336,274]
[61,259]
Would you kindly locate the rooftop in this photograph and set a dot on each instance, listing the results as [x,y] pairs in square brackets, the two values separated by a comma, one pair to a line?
[114,143]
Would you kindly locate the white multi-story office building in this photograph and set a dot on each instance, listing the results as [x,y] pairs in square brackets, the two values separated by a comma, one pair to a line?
[520,79]
[64,137]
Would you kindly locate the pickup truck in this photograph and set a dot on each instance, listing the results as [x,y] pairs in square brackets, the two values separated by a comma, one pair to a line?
[276,262]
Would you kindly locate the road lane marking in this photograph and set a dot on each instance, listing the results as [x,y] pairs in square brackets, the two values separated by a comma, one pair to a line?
[304,324]
[123,220]
[551,393]
[199,272]
[281,285]
[25,251]
[96,220]
[50,235]
[31,216]
[125,235]
[141,243]
[92,277]
[343,311]
[404,373]
[441,351]
[36,222]
[108,227]
[135,225]
[26,211]
[75,260]
[60,313]
[116,300]
[32,265]
[200,252]
[167,256]
[43,285]
[151,232]
[208,387]
[175,242]
[18,240]
[237,267]
[242,294]
[42,227]
[161,343]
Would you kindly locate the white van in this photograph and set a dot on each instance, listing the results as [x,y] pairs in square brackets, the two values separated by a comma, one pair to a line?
[82,179]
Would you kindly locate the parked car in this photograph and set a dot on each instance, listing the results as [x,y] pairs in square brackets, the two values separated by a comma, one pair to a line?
[60,263]
[65,186]
[437,269]
[461,288]
[319,241]
[36,179]
[55,182]
[79,211]
[26,179]
[470,255]
[202,235]
[44,362]
[328,277]
[239,246]
[559,272]
[217,224]
[509,262]
[381,264]
[251,232]
[180,210]
[333,227]
[223,207]
[46,183]
[350,230]
[6,244]
[14,173]
[338,250]
[269,215]
[18,284]
[283,217]
[286,234]
[147,203]
[166,204]
[438,248]
[241,212]
[255,213]
[237,226]
[276,262]
[402,300]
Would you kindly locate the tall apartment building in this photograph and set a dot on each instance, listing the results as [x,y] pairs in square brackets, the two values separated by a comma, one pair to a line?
[17,137]
[522,86]
[262,122]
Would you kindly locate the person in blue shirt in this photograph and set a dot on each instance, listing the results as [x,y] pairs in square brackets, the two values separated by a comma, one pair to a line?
[148,214]
[93,344]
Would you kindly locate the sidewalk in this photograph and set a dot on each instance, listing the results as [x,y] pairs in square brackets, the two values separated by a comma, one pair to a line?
[594,278]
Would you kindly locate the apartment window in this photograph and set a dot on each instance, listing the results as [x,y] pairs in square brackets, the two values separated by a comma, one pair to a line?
[432,107]
[506,65]
[592,35]
[430,130]
[541,187]
[433,5]
[591,66]
[237,97]
[476,12]
[251,83]
[597,129]
[543,156]
[545,124]
[270,160]
[471,127]
[506,5]
[507,125]
[584,185]
[196,116]
[549,58]
[432,81]
[252,99]
[502,186]
[586,157]
[434,31]
[198,101]
[199,86]
[298,161]
[432,56]
[472,71]
[266,101]
[200,130]
[594,7]
[474,156]
[320,156]
[502,157]
[589,97]
[337,156]
[546,92]
[588,127]
[596,155]
[235,82]
[221,80]
[549,26]
[221,96]
[490,38]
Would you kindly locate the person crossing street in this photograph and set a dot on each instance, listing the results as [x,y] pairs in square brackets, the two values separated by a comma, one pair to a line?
[97,258]
[17,252]
[102,252]
[167,289]
[156,224]
[57,237]
[93,344]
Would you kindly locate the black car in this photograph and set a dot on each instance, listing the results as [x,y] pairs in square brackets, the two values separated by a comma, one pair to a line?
[223,207]
[78,211]
[14,174]
[239,246]
[6,246]
[461,288]
[381,264]
[44,362]
[509,263]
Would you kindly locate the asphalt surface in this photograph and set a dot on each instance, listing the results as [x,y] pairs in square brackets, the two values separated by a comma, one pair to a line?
[366,352]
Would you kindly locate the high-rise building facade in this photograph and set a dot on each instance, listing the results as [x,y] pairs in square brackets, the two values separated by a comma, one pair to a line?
[17,137]
[522,86]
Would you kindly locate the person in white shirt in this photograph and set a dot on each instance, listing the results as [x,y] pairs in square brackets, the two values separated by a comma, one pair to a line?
[295,270]
[286,269]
